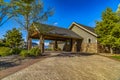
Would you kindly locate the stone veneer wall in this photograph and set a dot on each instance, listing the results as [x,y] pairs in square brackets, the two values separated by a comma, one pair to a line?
[90,48]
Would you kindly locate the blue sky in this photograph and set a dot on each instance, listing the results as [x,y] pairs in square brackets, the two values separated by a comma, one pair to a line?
[67,11]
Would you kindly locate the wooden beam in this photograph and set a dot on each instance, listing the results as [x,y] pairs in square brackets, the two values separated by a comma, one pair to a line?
[29,43]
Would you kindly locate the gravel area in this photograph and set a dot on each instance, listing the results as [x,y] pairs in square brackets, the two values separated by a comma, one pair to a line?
[66,66]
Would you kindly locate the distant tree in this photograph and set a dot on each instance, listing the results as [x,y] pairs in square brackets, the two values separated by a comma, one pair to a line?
[29,11]
[6,12]
[108,29]
[13,38]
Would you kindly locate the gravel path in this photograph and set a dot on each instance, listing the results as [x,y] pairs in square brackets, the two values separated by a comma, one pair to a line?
[70,67]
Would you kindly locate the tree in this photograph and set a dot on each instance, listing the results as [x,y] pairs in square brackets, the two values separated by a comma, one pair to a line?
[29,11]
[13,38]
[5,12]
[108,29]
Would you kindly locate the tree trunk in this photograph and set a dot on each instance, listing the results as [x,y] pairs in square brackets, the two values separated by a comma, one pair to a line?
[27,27]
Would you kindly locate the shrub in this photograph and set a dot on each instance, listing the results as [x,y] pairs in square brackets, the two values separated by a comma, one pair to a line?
[48,49]
[58,49]
[16,51]
[2,44]
[24,53]
[34,51]
[5,51]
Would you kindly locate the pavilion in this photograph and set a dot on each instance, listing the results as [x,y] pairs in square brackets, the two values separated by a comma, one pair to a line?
[49,32]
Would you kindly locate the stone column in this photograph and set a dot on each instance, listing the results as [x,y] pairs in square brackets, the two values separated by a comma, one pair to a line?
[55,45]
[74,48]
[41,44]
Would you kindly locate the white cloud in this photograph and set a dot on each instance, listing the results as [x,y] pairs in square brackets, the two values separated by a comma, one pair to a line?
[46,43]
[56,23]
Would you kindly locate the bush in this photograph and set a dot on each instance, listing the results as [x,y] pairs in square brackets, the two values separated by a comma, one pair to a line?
[24,53]
[16,51]
[58,49]
[34,51]
[2,44]
[48,49]
[5,51]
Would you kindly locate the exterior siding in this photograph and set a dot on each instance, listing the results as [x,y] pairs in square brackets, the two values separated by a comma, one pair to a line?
[86,46]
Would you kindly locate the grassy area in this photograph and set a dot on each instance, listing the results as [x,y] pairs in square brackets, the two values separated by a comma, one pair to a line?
[116,57]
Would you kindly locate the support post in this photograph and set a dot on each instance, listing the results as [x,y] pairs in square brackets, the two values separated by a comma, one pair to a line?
[74,46]
[55,45]
[41,44]
[29,43]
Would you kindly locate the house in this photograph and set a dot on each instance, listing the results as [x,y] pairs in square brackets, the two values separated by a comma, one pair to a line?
[88,43]
[78,38]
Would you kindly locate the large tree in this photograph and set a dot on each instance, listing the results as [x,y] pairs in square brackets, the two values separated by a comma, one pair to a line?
[6,11]
[13,38]
[29,11]
[108,29]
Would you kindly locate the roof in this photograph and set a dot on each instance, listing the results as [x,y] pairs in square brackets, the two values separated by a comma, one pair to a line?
[57,31]
[86,28]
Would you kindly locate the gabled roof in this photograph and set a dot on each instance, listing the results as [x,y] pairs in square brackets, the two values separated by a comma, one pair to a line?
[56,31]
[85,28]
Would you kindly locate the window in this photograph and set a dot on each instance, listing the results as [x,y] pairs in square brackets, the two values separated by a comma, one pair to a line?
[89,40]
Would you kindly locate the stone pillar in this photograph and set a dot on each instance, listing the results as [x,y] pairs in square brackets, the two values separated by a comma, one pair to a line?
[55,45]
[74,48]
[29,43]
[41,44]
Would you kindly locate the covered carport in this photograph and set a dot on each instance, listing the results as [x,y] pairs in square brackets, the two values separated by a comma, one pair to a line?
[49,32]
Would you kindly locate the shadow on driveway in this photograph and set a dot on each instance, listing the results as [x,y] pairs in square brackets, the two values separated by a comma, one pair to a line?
[69,54]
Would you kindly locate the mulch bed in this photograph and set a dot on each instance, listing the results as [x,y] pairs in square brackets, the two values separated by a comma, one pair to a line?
[12,64]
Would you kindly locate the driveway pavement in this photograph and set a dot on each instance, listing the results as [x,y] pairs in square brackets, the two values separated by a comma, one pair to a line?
[64,66]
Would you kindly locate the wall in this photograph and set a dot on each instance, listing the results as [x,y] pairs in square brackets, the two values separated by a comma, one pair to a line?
[86,46]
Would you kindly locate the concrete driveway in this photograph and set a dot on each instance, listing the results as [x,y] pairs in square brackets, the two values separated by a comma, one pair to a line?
[65,66]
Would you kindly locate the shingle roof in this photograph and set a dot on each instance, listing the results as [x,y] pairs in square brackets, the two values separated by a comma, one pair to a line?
[58,31]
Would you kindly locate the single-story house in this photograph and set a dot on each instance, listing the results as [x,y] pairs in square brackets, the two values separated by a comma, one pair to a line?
[78,38]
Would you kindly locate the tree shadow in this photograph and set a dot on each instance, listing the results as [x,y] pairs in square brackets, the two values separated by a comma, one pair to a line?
[70,54]
[6,64]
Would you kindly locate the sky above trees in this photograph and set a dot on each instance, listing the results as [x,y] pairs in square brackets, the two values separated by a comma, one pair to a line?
[66,11]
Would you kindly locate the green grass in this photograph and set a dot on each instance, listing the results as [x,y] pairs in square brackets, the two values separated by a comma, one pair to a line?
[116,57]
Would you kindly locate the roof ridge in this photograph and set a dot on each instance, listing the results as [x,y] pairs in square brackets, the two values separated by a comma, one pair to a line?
[84,25]
[50,25]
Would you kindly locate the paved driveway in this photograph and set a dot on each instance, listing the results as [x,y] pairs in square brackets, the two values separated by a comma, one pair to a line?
[70,67]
